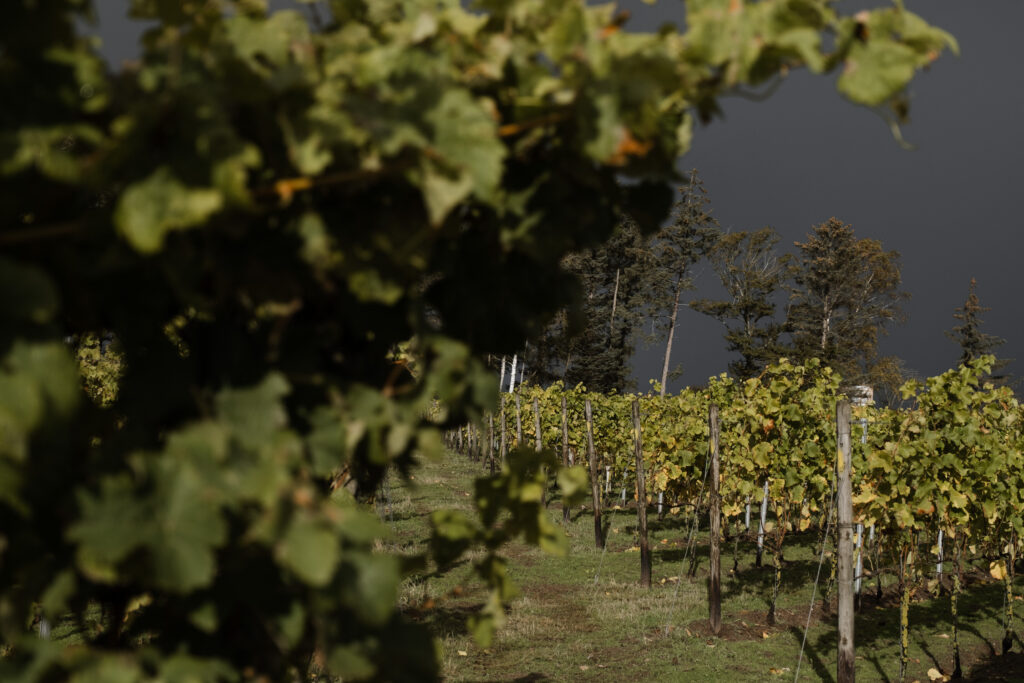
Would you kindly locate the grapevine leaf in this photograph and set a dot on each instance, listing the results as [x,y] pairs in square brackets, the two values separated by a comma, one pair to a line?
[152,208]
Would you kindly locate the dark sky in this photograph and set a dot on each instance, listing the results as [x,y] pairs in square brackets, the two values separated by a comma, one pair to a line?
[949,206]
[806,154]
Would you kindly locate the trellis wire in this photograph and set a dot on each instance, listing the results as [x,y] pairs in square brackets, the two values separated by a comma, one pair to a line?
[604,550]
[689,544]
[817,578]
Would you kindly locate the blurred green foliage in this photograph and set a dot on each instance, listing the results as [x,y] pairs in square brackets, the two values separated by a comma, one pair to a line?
[300,199]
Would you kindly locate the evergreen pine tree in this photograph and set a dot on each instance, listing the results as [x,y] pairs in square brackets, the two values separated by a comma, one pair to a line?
[972,341]
[751,273]
[593,342]
[673,252]
[845,293]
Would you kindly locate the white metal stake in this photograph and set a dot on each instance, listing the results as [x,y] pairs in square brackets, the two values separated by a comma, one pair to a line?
[860,559]
[512,379]
[746,520]
[860,527]
[661,500]
[501,382]
[607,478]
[764,518]
[938,567]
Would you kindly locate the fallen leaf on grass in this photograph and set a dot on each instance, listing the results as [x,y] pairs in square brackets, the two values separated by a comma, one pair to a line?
[936,675]
[634,549]
[583,667]
[463,653]
[778,672]
[664,541]
[765,635]
[943,635]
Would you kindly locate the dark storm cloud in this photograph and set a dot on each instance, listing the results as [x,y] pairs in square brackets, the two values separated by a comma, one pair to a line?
[949,206]
[804,155]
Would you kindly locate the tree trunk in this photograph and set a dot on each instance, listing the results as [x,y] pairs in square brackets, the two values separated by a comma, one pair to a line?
[826,323]
[671,334]
[615,300]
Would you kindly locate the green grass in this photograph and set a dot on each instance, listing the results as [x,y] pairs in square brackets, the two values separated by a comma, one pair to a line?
[584,617]
[566,626]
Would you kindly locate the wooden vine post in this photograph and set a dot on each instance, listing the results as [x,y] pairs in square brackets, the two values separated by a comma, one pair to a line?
[503,443]
[519,423]
[641,499]
[565,452]
[594,484]
[478,447]
[490,440]
[540,446]
[844,503]
[715,531]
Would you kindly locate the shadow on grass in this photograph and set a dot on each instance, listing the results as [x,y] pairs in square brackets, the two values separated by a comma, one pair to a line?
[1009,667]
[877,630]
[813,657]
[447,621]
[880,624]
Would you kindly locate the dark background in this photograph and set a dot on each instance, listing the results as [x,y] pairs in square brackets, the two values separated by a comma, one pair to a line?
[949,206]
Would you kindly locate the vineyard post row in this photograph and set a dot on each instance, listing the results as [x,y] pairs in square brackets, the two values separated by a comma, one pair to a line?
[714,528]
[949,468]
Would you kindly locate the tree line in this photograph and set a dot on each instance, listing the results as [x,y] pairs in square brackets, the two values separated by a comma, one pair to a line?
[833,298]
